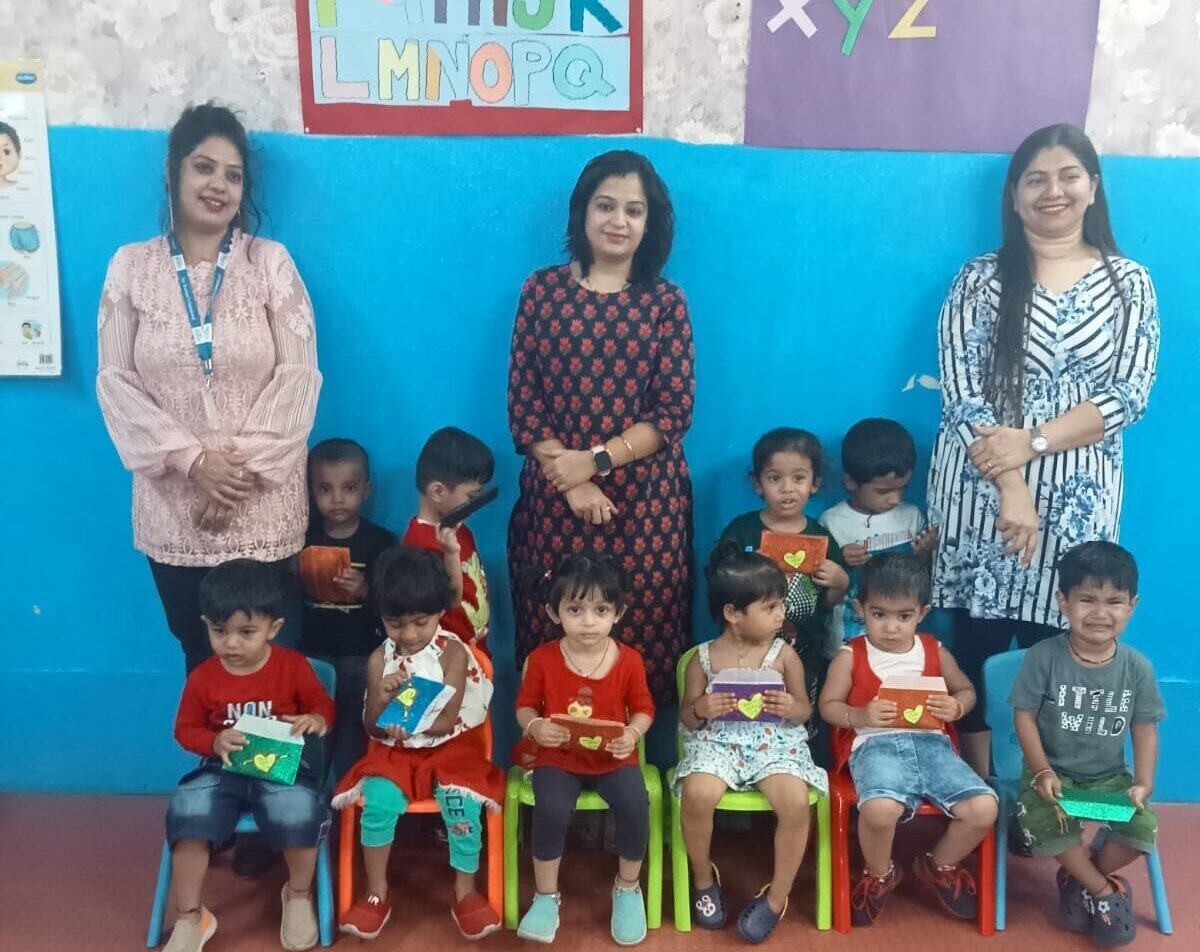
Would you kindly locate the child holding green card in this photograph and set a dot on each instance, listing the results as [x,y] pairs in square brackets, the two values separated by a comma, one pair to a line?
[1076,699]
[247,678]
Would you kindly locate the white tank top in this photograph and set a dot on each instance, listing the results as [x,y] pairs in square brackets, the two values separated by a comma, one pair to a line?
[885,664]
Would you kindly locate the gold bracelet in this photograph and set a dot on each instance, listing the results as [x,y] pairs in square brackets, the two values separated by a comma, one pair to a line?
[629,446]
[198,463]
[846,717]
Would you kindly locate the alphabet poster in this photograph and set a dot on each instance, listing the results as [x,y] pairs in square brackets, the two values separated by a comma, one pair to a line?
[30,338]
[927,75]
[482,67]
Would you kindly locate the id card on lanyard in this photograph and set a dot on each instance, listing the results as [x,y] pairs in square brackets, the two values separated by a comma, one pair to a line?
[201,326]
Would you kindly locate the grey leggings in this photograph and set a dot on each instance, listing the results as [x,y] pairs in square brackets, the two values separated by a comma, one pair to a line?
[555,792]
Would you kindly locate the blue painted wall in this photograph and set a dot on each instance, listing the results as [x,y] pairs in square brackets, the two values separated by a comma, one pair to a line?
[814,280]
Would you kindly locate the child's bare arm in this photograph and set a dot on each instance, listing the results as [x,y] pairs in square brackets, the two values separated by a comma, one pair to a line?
[792,704]
[377,698]
[832,702]
[696,706]
[1145,762]
[959,687]
[1045,780]
[452,556]
[454,674]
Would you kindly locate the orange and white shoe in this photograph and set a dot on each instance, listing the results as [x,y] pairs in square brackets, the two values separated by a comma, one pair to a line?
[190,935]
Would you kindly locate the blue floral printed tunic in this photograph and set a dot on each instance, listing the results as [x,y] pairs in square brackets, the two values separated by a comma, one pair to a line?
[1091,343]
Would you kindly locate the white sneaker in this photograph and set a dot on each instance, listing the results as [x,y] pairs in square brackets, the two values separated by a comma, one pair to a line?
[190,935]
[298,928]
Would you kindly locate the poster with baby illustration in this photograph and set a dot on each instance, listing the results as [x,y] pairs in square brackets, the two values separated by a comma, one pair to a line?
[30,318]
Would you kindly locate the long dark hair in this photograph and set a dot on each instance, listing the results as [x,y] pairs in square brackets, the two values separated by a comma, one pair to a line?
[196,124]
[1004,387]
[651,255]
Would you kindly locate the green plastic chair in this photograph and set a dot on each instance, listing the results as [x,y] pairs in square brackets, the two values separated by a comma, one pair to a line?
[518,792]
[750,801]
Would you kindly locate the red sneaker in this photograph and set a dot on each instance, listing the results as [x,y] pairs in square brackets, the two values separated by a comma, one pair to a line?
[474,917]
[367,917]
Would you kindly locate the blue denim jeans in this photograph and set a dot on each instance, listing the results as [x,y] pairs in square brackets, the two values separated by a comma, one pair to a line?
[911,766]
[208,802]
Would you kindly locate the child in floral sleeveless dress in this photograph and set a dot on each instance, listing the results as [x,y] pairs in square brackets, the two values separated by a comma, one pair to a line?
[448,761]
[745,594]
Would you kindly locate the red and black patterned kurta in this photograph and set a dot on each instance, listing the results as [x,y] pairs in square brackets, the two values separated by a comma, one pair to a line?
[584,368]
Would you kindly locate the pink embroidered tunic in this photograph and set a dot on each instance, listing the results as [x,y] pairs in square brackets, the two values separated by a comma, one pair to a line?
[264,388]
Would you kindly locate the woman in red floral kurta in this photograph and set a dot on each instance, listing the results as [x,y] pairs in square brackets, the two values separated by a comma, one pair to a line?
[600,395]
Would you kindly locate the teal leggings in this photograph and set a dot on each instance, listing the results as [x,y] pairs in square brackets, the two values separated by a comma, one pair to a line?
[384,803]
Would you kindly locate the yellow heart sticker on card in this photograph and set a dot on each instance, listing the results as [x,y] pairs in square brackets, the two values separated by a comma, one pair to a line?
[591,743]
[265,762]
[575,709]
[795,559]
[913,714]
[407,696]
[752,706]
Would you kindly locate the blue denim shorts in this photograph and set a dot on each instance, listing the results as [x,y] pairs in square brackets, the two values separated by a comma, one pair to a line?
[208,802]
[912,766]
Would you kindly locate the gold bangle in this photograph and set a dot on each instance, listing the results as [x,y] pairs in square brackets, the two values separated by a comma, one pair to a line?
[198,463]
[629,446]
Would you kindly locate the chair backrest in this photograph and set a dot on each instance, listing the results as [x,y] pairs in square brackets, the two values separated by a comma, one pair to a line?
[326,675]
[681,676]
[999,675]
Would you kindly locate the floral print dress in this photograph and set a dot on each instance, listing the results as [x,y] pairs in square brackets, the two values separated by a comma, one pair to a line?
[1097,342]
[585,367]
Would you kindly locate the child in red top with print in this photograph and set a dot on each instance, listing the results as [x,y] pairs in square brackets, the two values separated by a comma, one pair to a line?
[241,604]
[451,470]
[587,674]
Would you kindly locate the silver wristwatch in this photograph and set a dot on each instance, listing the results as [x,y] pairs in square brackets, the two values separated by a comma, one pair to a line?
[1038,441]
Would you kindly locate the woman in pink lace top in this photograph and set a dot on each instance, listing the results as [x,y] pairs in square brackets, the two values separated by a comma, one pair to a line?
[218,466]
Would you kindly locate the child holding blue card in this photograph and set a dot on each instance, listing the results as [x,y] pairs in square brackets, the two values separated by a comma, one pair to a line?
[241,603]
[745,596]
[447,760]
[1077,699]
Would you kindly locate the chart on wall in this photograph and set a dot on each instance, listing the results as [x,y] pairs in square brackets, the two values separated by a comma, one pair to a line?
[30,338]
[474,67]
[928,75]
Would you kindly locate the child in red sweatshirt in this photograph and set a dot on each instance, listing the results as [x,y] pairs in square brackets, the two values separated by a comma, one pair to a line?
[247,674]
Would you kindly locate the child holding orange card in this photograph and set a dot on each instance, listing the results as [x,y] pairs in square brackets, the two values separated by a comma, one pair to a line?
[895,764]
[591,677]
[729,743]
[786,466]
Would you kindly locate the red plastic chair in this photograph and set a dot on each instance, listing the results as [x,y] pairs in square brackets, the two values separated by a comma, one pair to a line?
[841,791]
[492,818]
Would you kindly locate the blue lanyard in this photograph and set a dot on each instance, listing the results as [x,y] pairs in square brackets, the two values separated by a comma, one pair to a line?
[201,327]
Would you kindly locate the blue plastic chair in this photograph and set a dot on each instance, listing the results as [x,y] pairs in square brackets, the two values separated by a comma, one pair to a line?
[324,882]
[999,675]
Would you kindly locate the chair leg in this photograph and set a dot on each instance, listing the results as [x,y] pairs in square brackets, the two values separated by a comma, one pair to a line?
[840,851]
[162,888]
[824,873]
[345,888]
[512,873]
[987,884]
[1158,887]
[654,866]
[1002,862]
[680,879]
[495,862]
[324,895]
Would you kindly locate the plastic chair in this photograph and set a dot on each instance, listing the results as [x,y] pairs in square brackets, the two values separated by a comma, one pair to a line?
[495,857]
[750,801]
[841,788]
[999,675]
[324,883]
[518,792]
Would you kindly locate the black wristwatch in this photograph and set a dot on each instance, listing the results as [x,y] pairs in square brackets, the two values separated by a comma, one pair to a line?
[604,463]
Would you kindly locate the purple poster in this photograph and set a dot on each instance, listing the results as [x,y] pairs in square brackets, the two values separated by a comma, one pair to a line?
[930,75]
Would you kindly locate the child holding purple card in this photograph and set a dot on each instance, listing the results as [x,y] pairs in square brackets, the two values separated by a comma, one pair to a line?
[737,742]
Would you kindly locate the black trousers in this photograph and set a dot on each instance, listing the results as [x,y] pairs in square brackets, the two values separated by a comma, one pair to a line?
[179,590]
[976,640]
[555,792]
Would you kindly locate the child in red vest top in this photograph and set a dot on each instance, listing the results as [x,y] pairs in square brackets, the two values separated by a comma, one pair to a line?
[895,768]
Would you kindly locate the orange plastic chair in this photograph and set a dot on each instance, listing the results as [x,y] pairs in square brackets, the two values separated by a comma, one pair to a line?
[493,820]
[841,790]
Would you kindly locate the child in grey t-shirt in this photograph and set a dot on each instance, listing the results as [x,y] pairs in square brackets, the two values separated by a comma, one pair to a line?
[1077,698]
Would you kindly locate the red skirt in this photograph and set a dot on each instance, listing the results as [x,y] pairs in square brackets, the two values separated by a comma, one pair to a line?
[460,764]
